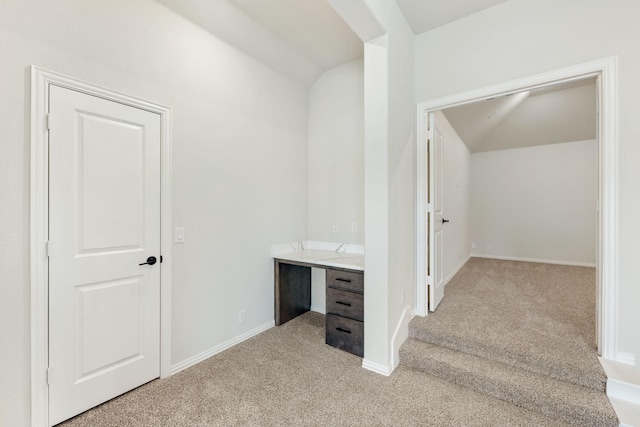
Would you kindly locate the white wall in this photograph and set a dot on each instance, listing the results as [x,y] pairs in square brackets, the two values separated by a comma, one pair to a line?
[389,172]
[536,203]
[516,39]
[239,145]
[336,154]
[456,168]
[335,157]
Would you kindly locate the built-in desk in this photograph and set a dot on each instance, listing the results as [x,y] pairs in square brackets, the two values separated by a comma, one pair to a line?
[344,288]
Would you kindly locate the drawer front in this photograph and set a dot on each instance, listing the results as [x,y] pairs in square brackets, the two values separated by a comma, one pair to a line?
[345,334]
[345,303]
[345,280]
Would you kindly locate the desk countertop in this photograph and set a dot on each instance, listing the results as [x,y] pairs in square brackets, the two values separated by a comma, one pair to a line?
[322,254]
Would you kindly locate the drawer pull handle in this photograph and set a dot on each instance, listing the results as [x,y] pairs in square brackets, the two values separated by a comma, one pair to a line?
[343,330]
[340,279]
[343,303]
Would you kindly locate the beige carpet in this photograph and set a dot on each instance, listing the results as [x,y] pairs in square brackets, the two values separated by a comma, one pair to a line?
[539,317]
[287,376]
[523,332]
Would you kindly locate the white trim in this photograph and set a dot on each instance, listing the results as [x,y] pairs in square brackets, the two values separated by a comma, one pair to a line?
[537,260]
[626,358]
[623,390]
[377,368]
[421,215]
[625,400]
[220,348]
[607,70]
[40,81]
[400,335]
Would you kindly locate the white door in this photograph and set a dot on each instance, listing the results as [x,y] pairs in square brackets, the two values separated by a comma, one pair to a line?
[435,273]
[104,220]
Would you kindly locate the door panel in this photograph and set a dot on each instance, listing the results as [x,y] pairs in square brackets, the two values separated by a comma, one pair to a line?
[108,145]
[104,213]
[436,230]
[105,341]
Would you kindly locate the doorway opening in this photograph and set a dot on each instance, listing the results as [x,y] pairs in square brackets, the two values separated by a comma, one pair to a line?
[604,72]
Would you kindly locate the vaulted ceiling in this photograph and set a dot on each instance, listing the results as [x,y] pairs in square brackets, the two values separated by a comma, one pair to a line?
[564,112]
[303,38]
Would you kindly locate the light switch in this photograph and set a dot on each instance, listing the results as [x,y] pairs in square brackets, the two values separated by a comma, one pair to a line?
[179,235]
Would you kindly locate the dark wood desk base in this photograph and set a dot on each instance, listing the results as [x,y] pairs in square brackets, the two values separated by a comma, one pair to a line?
[345,316]
[292,290]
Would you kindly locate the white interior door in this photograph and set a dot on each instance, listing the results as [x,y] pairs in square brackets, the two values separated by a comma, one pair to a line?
[104,220]
[435,273]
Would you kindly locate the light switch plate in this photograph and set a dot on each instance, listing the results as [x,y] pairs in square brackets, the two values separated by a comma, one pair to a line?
[179,235]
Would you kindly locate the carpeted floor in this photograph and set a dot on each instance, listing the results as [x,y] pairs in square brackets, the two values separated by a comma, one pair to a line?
[539,317]
[287,376]
[523,332]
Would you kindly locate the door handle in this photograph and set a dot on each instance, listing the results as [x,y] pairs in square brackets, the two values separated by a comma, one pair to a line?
[150,261]
[444,220]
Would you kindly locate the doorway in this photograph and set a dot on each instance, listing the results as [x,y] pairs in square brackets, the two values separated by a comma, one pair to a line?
[605,72]
[100,202]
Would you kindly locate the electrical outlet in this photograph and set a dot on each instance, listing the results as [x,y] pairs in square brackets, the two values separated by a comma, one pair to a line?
[473,245]
[488,246]
[336,227]
[354,227]
[179,235]
[242,317]
[402,296]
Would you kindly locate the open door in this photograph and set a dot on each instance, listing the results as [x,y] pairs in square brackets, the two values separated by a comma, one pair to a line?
[435,212]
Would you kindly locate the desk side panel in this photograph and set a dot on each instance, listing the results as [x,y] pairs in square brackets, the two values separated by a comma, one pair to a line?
[292,291]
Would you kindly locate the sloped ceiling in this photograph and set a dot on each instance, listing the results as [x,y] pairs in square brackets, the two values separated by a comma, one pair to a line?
[425,15]
[311,27]
[300,39]
[303,38]
[564,112]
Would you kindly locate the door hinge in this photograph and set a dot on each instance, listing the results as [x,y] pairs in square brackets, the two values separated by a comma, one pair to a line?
[429,280]
[48,248]
[48,121]
[429,207]
[49,376]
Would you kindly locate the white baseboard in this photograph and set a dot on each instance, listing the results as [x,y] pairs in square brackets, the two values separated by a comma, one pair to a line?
[541,261]
[455,270]
[377,368]
[400,335]
[626,358]
[628,413]
[220,348]
[624,391]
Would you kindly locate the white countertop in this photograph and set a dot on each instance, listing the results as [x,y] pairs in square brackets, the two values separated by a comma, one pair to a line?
[327,254]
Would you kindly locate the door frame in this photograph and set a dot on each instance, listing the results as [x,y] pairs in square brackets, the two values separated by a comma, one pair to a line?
[606,69]
[39,221]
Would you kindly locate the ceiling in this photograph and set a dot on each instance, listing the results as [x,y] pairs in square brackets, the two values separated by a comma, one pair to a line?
[311,27]
[425,15]
[563,112]
[304,38]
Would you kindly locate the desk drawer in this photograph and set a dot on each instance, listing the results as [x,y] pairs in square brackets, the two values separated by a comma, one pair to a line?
[345,334]
[345,303]
[345,280]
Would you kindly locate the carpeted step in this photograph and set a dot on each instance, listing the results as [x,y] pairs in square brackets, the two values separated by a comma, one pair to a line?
[585,371]
[568,402]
